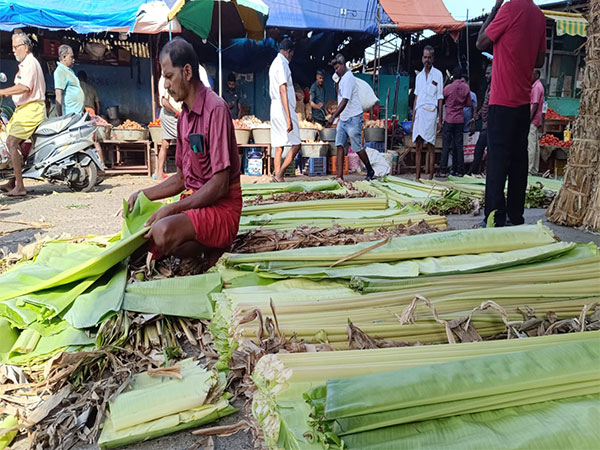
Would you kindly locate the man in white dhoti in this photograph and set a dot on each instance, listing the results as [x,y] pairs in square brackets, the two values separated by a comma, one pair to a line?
[427,111]
[285,130]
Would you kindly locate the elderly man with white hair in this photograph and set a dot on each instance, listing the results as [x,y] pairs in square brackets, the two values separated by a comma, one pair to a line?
[28,95]
[69,95]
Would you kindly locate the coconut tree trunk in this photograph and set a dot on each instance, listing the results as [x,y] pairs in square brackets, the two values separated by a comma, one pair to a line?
[578,202]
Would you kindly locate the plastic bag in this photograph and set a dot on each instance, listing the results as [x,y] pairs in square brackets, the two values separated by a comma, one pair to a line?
[378,162]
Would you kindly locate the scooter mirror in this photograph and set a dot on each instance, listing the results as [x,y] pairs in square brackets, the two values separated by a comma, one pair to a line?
[3,77]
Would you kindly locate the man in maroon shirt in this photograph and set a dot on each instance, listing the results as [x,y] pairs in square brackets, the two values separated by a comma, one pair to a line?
[518,32]
[457,96]
[206,218]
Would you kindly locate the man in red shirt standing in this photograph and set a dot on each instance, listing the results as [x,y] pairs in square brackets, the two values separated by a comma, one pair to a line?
[206,218]
[518,32]
[457,96]
[535,116]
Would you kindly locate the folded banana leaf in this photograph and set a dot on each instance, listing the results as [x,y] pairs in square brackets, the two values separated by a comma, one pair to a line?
[101,299]
[294,186]
[69,339]
[568,423]
[376,401]
[449,243]
[183,296]
[61,263]
[153,406]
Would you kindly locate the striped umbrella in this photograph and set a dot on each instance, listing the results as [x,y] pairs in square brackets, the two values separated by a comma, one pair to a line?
[243,18]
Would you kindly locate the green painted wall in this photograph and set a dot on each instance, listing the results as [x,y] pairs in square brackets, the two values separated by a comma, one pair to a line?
[389,81]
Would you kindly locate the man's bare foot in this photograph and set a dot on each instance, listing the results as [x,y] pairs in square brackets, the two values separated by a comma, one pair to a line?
[16,192]
[8,186]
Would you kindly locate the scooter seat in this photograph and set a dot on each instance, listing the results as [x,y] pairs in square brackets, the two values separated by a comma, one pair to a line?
[57,124]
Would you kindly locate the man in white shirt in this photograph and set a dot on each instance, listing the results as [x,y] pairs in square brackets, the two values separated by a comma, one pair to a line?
[169,112]
[284,121]
[427,110]
[350,113]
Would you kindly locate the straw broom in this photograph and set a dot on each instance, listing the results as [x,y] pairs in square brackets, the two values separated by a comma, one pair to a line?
[578,202]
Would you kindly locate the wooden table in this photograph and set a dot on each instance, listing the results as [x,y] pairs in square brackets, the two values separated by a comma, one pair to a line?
[266,155]
[118,149]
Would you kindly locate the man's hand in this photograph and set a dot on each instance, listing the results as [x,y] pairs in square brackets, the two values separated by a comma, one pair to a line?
[439,127]
[472,128]
[132,199]
[161,213]
[329,122]
[319,105]
[290,125]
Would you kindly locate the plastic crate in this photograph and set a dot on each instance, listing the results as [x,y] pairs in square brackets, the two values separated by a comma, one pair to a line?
[314,167]
[332,168]
[379,146]
[289,172]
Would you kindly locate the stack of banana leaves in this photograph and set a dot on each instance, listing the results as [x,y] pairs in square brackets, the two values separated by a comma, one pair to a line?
[540,191]
[411,289]
[343,207]
[538,392]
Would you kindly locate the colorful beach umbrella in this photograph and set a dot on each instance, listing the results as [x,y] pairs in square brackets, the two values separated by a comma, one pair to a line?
[218,19]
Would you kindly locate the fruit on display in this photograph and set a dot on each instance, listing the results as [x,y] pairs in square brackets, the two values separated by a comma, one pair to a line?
[130,125]
[239,125]
[553,141]
[553,115]
[374,124]
[307,124]
[155,123]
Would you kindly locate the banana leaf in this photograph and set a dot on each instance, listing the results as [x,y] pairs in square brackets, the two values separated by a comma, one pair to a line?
[342,204]
[294,186]
[7,437]
[104,297]
[110,438]
[446,265]
[8,337]
[69,338]
[155,406]
[568,423]
[183,296]
[375,401]
[459,242]
[357,216]
[61,263]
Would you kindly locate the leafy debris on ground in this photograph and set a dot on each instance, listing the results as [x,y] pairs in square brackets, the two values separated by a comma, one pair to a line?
[304,197]
[302,237]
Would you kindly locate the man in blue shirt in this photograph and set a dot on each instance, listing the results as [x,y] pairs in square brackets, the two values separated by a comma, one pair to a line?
[69,95]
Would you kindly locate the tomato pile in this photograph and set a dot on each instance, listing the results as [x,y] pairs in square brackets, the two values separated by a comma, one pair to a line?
[553,115]
[155,123]
[551,140]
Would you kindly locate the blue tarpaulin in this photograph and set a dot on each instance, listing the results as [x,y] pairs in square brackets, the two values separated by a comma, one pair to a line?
[81,16]
[332,15]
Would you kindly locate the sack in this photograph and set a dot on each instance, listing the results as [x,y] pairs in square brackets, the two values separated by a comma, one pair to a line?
[469,146]
[366,95]
[380,165]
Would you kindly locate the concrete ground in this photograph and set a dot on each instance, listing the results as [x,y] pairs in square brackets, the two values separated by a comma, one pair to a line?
[59,210]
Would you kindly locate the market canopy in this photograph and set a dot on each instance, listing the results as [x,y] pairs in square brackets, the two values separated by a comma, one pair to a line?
[568,23]
[333,15]
[417,15]
[85,16]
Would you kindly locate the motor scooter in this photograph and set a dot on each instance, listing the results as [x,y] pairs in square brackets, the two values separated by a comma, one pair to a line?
[62,150]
